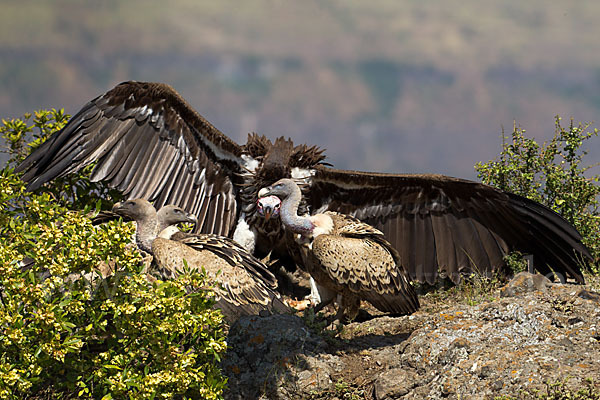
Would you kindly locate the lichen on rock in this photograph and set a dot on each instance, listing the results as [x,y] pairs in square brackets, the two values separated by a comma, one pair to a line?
[504,346]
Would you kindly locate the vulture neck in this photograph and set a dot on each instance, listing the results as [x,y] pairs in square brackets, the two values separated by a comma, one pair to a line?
[168,232]
[289,214]
[145,232]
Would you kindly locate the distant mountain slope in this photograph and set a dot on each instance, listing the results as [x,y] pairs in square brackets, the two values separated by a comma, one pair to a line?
[389,86]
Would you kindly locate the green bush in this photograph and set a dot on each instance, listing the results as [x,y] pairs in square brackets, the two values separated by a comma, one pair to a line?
[81,320]
[553,174]
[21,138]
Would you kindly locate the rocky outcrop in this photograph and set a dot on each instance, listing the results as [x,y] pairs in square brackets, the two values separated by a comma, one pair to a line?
[534,333]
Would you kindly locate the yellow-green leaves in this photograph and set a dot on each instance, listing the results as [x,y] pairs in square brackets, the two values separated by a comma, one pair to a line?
[553,174]
[70,326]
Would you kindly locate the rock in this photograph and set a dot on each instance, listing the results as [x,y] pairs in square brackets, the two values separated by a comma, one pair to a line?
[525,282]
[507,346]
[589,295]
[275,356]
[394,383]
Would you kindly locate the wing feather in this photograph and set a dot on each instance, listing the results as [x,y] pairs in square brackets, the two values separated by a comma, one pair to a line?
[240,289]
[137,170]
[120,153]
[407,236]
[232,252]
[444,248]
[158,176]
[168,180]
[133,160]
[211,217]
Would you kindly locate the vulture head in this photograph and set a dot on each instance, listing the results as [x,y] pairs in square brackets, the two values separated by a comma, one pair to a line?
[276,160]
[137,209]
[146,219]
[268,207]
[288,191]
[281,158]
[173,215]
[281,189]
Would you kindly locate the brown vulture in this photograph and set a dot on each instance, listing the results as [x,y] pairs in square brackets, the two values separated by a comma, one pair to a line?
[243,284]
[146,141]
[348,258]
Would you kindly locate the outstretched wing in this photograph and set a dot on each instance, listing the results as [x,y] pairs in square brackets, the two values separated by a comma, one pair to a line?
[438,223]
[148,143]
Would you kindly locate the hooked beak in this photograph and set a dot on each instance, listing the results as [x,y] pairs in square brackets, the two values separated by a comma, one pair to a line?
[120,209]
[268,212]
[191,218]
[263,192]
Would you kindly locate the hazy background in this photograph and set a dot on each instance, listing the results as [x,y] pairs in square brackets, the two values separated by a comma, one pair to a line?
[398,86]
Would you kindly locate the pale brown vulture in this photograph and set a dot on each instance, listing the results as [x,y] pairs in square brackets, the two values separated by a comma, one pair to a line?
[148,142]
[243,285]
[350,259]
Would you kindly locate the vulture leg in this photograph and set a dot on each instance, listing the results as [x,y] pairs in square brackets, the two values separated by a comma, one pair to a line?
[349,305]
[327,296]
[318,292]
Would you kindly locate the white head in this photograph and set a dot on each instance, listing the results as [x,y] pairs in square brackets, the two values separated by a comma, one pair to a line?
[268,207]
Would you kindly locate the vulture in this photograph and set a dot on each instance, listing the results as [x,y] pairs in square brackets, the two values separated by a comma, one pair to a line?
[145,140]
[243,285]
[347,258]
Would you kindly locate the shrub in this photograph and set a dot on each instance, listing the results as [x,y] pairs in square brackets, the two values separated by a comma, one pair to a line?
[553,174]
[78,318]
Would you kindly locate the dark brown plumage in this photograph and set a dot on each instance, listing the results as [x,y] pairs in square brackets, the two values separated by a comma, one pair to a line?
[148,142]
[351,260]
[242,283]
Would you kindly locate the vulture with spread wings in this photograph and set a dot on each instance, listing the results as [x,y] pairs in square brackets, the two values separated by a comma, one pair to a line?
[147,142]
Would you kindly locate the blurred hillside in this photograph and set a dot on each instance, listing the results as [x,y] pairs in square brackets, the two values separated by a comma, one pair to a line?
[384,85]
